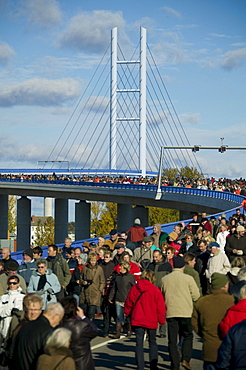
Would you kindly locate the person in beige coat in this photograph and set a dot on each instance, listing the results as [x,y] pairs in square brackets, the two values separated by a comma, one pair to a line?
[93,284]
[57,354]
[180,291]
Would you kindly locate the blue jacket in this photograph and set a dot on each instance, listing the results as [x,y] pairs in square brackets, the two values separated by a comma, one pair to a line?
[26,270]
[52,284]
[232,352]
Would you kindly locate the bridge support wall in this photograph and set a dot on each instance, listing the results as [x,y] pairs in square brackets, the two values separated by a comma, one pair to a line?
[4,217]
[142,213]
[82,220]
[61,220]
[124,216]
[23,223]
[185,215]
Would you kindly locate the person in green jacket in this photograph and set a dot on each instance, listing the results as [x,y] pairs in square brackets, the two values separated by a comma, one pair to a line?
[190,260]
[59,267]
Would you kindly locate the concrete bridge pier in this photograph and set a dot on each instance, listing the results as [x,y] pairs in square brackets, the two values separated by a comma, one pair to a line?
[142,213]
[4,216]
[23,223]
[124,216]
[82,220]
[61,220]
[185,215]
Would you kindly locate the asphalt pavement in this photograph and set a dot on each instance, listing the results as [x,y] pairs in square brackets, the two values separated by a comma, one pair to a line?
[119,354]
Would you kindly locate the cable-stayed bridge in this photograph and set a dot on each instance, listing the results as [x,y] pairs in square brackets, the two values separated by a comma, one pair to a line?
[123,118]
[115,128]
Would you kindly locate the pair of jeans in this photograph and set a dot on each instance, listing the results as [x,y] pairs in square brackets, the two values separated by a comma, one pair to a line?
[120,318]
[182,326]
[89,310]
[153,349]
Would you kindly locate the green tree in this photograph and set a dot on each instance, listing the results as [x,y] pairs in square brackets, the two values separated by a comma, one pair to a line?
[103,217]
[44,233]
[171,173]
[12,213]
[190,172]
[162,215]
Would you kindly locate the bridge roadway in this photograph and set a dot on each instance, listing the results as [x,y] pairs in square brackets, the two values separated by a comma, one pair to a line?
[182,199]
[119,354]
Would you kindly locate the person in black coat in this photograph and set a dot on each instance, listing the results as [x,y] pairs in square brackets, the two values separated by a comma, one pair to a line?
[83,331]
[120,289]
[32,337]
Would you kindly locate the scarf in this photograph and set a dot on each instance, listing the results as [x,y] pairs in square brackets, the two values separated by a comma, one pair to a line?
[42,282]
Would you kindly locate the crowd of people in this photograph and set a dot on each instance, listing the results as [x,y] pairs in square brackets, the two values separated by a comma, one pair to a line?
[236,186]
[193,278]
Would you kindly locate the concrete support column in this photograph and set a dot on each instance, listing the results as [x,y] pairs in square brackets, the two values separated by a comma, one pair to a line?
[48,207]
[4,216]
[61,220]
[23,223]
[185,215]
[142,213]
[124,217]
[82,220]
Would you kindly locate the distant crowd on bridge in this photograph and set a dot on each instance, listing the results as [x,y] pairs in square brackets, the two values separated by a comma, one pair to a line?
[237,186]
[193,278]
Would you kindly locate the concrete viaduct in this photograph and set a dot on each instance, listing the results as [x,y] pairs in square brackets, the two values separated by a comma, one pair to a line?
[185,200]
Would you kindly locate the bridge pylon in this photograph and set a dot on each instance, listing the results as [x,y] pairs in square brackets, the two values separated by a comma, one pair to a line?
[114,94]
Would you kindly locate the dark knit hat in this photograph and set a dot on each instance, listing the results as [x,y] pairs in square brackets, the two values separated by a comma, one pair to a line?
[29,252]
[218,280]
[178,262]
[11,265]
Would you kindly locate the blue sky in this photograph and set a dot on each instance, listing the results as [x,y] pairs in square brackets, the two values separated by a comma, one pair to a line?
[49,49]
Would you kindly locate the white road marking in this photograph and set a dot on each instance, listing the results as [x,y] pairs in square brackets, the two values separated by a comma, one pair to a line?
[107,342]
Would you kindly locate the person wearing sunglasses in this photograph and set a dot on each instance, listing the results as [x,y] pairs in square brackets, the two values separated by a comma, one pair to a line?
[44,283]
[10,301]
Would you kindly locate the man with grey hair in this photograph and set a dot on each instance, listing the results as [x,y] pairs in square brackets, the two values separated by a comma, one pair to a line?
[235,289]
[31,339]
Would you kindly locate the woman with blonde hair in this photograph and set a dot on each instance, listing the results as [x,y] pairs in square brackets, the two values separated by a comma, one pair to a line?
[93,284]
[120,289]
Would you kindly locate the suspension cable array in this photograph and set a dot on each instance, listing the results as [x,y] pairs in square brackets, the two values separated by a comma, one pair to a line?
[85,138]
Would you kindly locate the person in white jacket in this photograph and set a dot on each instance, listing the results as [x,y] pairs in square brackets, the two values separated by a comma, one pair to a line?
[11,300]
[218,261]
[221,237]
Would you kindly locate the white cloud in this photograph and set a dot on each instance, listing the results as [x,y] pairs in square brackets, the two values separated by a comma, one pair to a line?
[6,53]
[91,31]
[169,53]
[219,35]
[233,59]
[97,104]
[187,118]
[39,92]
[172,11]
[45,13]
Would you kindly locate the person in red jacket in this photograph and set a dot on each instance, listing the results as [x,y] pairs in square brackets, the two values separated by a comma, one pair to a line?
[235,314]
[146,307]
[136,233]
[134,269]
